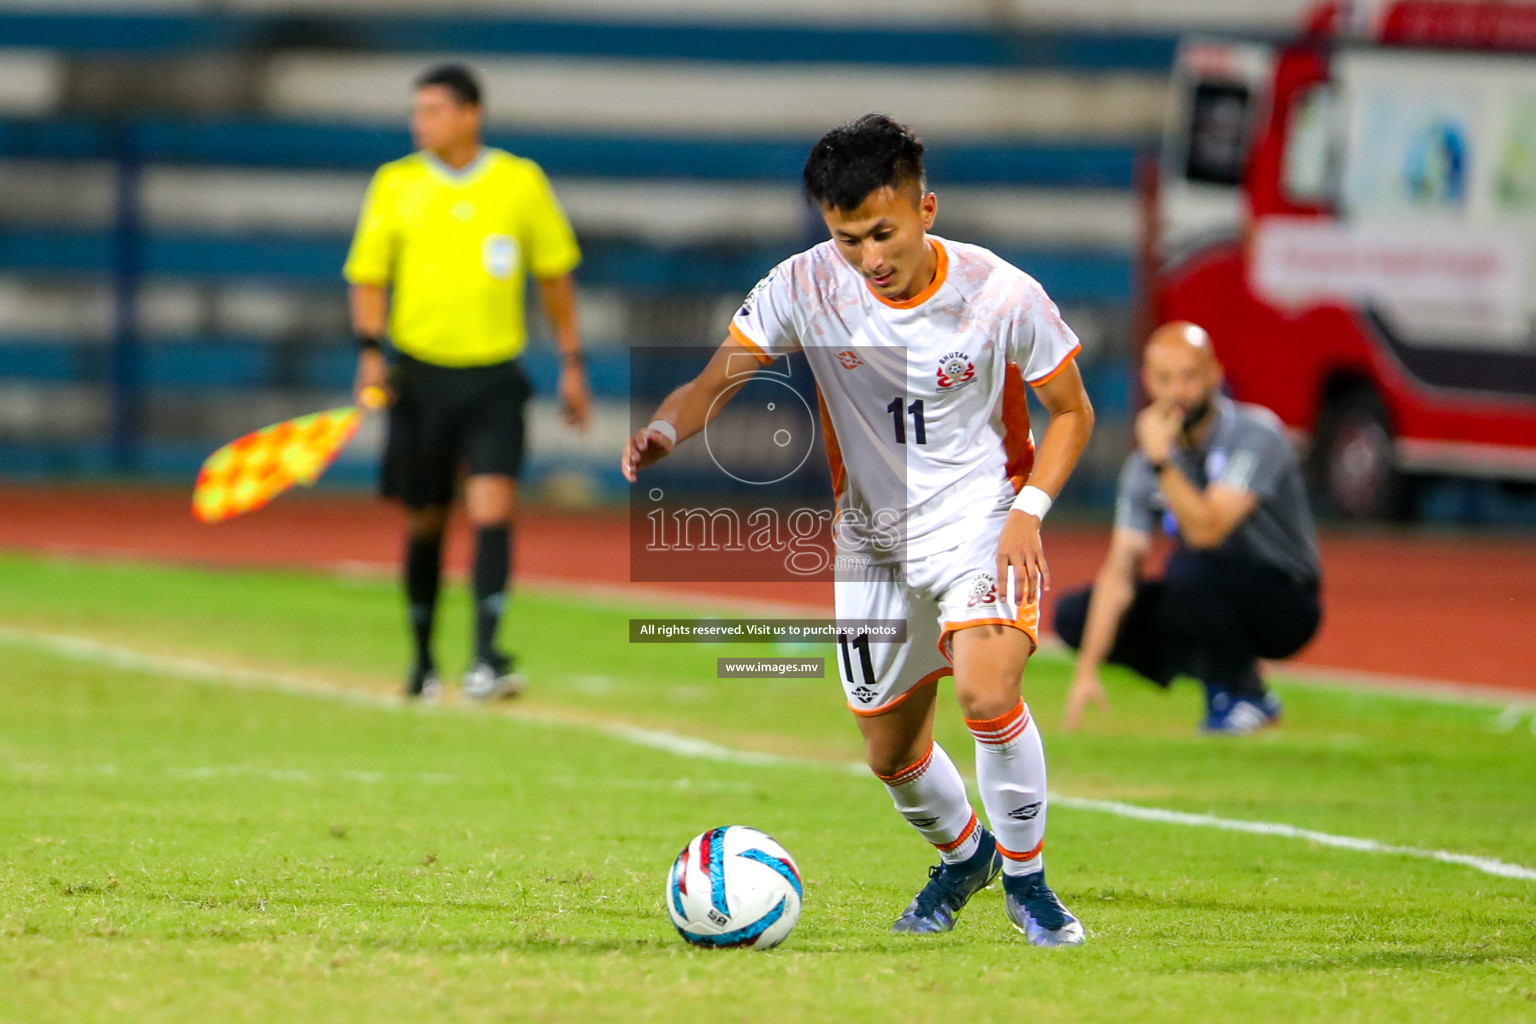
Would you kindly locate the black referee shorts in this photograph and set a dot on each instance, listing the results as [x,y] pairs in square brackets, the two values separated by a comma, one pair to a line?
[450,417]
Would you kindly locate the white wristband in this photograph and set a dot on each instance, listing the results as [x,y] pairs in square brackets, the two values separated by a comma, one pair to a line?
[665,429]
[1033,501]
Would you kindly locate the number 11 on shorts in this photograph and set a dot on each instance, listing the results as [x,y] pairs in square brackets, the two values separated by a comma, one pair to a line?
[860,642]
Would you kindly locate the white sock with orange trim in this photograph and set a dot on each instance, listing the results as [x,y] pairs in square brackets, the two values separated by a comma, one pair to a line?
[1010,772]
[930,794]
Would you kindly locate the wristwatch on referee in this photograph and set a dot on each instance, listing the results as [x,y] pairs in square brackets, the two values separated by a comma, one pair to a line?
[578,359]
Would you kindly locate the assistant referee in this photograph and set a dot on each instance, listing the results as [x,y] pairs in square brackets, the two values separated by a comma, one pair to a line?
[444,241]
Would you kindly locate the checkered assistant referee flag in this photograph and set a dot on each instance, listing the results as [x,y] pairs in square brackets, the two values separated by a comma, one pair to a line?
[252,470]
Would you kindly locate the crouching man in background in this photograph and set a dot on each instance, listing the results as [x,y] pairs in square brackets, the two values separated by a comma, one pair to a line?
[1242,581]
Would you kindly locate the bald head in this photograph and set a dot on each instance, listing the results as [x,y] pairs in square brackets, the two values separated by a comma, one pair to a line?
[1179,367]
[1181,335]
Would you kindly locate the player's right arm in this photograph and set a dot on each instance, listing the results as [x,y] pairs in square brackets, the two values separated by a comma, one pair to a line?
[369,262]
[1113,591]
[689,409]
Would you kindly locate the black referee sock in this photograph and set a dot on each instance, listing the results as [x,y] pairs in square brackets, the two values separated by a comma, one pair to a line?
[423,570]
[493,566]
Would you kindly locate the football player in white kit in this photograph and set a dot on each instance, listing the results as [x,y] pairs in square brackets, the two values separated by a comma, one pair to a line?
[921,348]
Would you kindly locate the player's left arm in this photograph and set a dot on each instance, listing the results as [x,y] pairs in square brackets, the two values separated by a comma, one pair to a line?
[1065,437]
[558,297]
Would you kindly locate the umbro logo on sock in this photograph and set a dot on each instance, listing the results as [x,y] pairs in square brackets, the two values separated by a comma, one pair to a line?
[1025,813]
[920,822]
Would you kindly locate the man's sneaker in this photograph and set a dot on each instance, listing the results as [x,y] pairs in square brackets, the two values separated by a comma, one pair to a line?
[1034,910]
[493,677]
[950,887]
[1226,715]
[423,684]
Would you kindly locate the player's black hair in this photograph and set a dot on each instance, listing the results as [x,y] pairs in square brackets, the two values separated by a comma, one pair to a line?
[860,157]
[457,79]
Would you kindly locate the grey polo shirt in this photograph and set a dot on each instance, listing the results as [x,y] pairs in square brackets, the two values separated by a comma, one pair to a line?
[1246,450]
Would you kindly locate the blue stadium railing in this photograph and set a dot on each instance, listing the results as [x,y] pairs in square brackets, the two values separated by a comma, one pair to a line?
[186,364]
[278,143]
[991,47]
[1074,276]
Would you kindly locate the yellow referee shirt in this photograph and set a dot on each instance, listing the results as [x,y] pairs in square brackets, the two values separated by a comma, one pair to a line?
[454,246]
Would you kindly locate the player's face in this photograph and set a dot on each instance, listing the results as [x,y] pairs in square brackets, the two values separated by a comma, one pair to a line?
[884,239]
[441,123]
[1183,376]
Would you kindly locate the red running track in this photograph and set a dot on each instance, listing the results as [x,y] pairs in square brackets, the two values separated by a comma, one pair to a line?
[1418,605]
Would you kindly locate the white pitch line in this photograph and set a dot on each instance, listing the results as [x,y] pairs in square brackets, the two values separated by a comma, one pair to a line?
[1488,865]
[219,771]
[95,652]
[114,656]
[689,746]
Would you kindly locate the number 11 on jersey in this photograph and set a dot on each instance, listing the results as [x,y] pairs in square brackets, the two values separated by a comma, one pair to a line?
[915,410]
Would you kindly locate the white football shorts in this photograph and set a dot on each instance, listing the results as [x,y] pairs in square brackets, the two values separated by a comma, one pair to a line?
[936,596]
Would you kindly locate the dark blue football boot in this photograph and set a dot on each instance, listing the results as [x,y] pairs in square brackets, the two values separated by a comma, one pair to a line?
[1034,910]
[949,888]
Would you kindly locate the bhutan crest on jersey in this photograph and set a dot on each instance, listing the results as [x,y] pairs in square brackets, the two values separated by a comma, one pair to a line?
[956,371]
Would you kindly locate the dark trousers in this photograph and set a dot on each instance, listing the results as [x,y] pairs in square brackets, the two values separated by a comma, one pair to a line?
[1212,615]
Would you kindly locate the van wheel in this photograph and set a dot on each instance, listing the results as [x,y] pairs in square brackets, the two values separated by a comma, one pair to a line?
[1354,463]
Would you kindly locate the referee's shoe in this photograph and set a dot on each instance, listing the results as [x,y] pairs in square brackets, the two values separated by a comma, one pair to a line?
[493,676]
[423,684]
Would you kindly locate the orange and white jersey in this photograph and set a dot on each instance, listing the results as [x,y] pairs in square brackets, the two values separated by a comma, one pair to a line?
[922,402]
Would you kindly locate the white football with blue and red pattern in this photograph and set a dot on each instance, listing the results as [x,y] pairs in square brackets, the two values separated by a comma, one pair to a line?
[734,886]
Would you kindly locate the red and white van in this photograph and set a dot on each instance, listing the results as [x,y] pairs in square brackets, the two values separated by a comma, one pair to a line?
[1352,216]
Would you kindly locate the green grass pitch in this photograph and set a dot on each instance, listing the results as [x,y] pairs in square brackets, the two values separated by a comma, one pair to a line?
[179,850]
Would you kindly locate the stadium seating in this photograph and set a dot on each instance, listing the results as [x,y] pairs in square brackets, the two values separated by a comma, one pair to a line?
[198,166]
